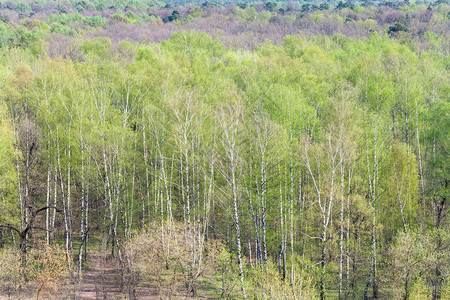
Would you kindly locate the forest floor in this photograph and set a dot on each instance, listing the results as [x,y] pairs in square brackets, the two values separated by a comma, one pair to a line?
[101,280]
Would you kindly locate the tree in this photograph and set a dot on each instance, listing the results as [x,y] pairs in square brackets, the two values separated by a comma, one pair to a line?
[269,6]
[401,188]
[229,119]
[323,161]
[9,207]
[415,259]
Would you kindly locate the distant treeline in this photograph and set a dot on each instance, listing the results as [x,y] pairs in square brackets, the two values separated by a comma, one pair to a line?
[240,24]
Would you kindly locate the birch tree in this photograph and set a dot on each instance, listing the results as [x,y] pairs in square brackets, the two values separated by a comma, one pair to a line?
[229,118]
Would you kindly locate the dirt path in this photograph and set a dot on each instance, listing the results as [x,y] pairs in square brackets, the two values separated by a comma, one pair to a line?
[103,279]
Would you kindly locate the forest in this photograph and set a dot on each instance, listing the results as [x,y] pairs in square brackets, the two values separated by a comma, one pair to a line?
[224,150]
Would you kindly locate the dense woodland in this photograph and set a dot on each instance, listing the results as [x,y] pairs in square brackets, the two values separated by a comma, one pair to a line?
[226,149]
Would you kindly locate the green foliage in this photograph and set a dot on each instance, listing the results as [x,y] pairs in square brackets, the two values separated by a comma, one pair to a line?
[196,12]
[193,44]
[99,47]
[119,18]
[397,27]
[146,54]
[62,29]
[402,183]
[242,5]
[265,283]
[96,21]
[420,290]
[307,7]
[416,260]
[22,7]
[246,14]
[356,121]
[173,17]
[348,4]
[270,6]
[9,207]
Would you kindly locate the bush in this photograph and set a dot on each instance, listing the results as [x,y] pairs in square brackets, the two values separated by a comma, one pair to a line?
[47,268]
[170,258]
[10,271]
[420,291]
[45,271]
[415,257]
[267,283]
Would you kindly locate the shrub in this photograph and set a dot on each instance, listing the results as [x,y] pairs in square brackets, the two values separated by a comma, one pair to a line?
[420,291]
[171,258]
[45,270]
[267,283]
[10,271]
